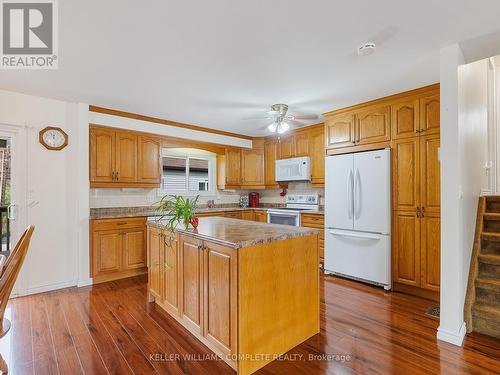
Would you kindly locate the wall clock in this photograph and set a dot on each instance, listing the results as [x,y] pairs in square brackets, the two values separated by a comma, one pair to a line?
[53,138]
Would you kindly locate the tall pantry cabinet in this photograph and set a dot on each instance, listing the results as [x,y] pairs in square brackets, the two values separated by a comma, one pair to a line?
[416,195]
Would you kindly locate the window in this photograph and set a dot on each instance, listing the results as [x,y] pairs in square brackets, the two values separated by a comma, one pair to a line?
[187,172]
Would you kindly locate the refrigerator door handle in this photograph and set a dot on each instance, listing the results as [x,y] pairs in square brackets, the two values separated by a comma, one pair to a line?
[365,236]
[350,182]
[357,195]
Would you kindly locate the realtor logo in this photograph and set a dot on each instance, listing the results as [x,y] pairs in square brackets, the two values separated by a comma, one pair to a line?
[29,34]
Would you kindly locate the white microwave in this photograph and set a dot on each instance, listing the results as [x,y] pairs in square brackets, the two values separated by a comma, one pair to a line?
[294,169]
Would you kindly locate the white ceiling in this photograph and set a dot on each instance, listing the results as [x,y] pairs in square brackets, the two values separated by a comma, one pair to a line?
[215,62]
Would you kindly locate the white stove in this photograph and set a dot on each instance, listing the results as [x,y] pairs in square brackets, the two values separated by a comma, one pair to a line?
[295,204]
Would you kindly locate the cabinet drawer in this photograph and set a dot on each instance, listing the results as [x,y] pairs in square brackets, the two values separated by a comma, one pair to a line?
[120,223]
[233,215]
[313,220]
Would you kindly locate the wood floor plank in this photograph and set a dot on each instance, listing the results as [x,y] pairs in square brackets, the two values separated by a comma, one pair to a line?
[43,345]
[113,328]
[66,355]
[112,357]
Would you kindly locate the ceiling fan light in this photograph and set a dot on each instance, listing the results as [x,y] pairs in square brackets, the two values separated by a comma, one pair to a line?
[283,127]
[272,127]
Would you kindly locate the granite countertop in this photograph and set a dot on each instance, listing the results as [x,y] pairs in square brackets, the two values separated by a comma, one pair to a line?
[237,233]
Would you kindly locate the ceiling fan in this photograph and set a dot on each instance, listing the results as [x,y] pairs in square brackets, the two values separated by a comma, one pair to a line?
[281,121]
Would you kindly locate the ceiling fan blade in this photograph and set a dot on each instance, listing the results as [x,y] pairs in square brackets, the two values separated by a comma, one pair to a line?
[302,117]
[258,118]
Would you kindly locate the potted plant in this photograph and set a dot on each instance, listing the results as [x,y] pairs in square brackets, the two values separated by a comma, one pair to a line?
[176,209]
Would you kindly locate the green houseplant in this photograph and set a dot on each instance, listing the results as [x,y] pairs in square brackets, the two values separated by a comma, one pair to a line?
[175,209]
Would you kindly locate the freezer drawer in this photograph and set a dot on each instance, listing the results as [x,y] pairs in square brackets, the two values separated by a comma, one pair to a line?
[360,255]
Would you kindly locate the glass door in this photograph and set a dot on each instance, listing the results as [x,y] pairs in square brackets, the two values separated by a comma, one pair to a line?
[6,207]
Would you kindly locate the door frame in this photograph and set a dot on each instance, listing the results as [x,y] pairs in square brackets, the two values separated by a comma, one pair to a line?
[18,135]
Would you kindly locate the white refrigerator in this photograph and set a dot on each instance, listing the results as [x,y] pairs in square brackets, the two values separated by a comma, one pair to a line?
[358,216]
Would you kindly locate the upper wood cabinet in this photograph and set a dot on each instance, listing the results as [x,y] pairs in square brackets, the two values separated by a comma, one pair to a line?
[102,155]
[123,159]
[302,145]
[405,119]
[317,153]
[339,131]
[270,156]
[287,147]
[149,161]
[430,114]
[406,174]
[430,194]
[373,125]
[233,167]
[252,168]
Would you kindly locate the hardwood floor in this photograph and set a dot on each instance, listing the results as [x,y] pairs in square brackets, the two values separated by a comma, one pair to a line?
[111,329]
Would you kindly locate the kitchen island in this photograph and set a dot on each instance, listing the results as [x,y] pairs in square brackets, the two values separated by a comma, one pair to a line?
[247,290]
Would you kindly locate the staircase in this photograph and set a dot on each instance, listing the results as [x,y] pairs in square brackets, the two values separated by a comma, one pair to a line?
[482,304]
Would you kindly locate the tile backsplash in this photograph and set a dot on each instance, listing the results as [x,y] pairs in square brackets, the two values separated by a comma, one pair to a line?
[104,198]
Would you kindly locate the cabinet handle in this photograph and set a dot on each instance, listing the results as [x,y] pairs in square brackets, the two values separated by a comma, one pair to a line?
[422,212]
[418,211]
[113,175]
[200,247]
[117,176]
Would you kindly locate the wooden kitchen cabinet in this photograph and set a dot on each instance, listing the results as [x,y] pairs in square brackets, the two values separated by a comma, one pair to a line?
[102,155]
[233,167]
[191,282]
[170,278]
[430,114]
[252,168]
[317,154]
[233,214]
[270,157]
[261,216]
[316,221]
[406,249]
[373,126]
[118,248]
[405,119]
[121,158]
[248,215]
[430,251]
[406,174]
[220,296]
[149,161]
[302,145]
[339,130]
[430,194]
[287,147]
[155,262]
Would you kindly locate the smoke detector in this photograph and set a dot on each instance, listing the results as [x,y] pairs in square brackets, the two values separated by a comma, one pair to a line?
[367,49]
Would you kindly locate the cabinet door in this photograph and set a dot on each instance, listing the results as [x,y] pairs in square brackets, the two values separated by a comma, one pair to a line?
[220,295]
[107,252]
[155,261]
[405,119]
[431,251]
[252,168]
[339,131]
[126,157]
[134,249]
[373,125]
[248,215]
[430,174]
[287,147]
[149,167]
[302,144]
[270,156]
[430,114]
[406,174]
[102,155]
[233,215]
[191,282]
[233,167]
[261,216]
[317,154]
[171,275]
[406,248]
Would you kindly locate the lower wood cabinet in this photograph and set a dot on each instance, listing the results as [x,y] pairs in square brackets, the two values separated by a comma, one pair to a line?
[260,216]
[316,221]
[118,248]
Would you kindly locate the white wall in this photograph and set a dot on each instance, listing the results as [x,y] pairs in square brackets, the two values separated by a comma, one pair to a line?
[52,259]
[452,327]
[466,153]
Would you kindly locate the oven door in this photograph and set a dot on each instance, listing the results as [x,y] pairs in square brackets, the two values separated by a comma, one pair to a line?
[283,218]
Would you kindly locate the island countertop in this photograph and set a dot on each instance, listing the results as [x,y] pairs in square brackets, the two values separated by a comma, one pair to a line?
[237,233]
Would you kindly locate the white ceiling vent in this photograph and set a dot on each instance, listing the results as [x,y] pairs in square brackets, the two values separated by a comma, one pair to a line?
[367,49]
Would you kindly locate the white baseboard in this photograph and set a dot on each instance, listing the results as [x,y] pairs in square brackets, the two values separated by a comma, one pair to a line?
[455,338]
[84,282]
[50,287]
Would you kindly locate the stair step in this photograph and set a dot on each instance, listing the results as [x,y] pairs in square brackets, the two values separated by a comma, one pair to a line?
[491,222]
[486,319]
[489,258]
[493,204]
[490,284]
[488,292]
[488,270]
[491,236]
